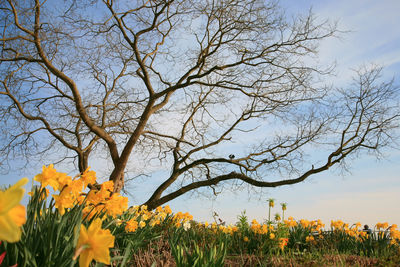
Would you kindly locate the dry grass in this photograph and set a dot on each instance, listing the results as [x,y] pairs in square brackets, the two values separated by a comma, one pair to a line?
[328,260]
[157,252]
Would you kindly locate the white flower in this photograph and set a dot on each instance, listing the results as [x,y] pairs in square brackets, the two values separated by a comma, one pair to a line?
[186,226]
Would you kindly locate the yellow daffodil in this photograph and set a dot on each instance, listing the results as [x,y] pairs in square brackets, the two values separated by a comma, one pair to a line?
[271,235]
[76,187]
[131,225]
[94,243]
[154,222]
[161,216]
[290,222]
[107,186]
[143,208]
[159,209]
[264,229]
[362,234]
[63,180]
[64,200]
[305,223]
[309,238]
[116,205]
[88,177]
[167,209]
[50,176]
[255,227]
[12,214]
[145,217]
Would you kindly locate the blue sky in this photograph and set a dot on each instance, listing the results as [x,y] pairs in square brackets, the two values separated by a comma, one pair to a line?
[370,192]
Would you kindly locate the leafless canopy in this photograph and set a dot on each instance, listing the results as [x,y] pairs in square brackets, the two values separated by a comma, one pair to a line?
[214,91]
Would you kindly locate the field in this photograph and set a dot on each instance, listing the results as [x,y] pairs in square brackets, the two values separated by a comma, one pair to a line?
[95,228]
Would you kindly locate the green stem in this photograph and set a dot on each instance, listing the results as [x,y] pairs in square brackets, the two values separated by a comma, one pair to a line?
[269,213]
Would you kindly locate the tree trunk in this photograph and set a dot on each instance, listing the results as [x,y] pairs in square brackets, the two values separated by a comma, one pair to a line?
[83,161]
[118,179]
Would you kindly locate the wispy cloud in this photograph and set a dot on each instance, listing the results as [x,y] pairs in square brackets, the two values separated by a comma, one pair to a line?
[374,35]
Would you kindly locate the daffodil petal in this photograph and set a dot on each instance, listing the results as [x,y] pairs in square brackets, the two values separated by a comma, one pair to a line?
[20,183]
[12,196]
[102,255]
[18,215]
[9,231]
[95,226]
[83,236]
[85,258]
[10,199]
[99,241]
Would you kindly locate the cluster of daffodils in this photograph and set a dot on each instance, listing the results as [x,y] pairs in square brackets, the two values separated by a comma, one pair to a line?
[71,192]
[94,242]
[229,229]
[182,219]
[383,226]
[270,231]
[315,226]
[384,229]
[339,225]
[262,229]
[267,230]
[391,232]
[290,222]
[353,231]
[142,217]
[105,200]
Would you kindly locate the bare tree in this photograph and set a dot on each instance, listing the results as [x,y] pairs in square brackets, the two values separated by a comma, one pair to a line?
[182,82]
